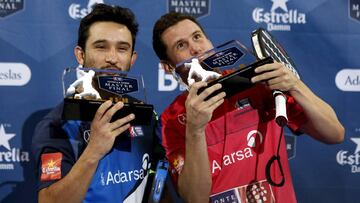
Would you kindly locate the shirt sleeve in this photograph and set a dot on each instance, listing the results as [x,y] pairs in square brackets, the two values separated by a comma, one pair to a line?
[52,153]
[296,116]
[172,129]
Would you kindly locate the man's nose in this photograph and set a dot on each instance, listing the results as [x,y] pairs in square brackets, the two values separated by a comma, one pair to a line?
[111,57]
[195,49]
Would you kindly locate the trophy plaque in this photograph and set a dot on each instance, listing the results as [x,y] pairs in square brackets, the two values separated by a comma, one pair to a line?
[85,89]
[230,64]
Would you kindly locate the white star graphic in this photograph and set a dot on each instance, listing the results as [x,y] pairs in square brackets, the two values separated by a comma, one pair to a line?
[357,141]
[4,138]
[91,3]
[279,4]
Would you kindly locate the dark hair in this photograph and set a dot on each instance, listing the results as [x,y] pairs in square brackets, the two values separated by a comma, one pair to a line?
[103,12]
[164,23]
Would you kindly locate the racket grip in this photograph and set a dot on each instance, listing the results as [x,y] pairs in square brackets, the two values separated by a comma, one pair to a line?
[280,108]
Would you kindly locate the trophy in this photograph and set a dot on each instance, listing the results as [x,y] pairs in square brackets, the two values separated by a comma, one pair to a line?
[230,64]
[85,89]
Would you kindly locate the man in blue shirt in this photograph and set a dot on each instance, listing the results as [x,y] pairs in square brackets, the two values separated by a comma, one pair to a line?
[102,160]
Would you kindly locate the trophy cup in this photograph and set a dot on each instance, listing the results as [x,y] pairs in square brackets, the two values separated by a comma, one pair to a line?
[230,64]
[85,89]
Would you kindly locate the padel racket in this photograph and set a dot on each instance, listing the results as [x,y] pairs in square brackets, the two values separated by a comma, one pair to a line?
[265,45]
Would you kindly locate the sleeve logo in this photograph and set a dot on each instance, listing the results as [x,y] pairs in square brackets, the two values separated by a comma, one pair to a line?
[51,166]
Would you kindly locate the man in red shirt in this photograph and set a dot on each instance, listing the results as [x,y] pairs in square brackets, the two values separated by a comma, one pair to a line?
[218,148]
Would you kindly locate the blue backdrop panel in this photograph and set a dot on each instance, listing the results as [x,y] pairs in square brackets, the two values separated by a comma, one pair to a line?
[322,36]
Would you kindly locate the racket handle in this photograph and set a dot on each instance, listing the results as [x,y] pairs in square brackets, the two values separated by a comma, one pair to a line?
[280,108]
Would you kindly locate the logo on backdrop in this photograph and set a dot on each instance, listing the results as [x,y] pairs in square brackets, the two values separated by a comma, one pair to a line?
[348,80]
[351,158]
[14,74]
[280,17]
[8,7]
[78,11]
[9,155]
[354,9]
[167,82]
[195,8]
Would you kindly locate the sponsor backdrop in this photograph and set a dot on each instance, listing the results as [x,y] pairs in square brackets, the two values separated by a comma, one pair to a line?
[322,36]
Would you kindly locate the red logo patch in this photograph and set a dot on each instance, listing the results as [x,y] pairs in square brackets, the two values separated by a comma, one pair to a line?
[177,162]
[51,166]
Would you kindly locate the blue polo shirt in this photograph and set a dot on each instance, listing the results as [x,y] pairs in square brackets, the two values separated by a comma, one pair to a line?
[121,175]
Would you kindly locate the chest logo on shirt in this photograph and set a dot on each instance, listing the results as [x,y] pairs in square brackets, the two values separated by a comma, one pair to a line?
[254,138]
[136,131]
[86,136]
[182,118]
[113,177]
[51,166]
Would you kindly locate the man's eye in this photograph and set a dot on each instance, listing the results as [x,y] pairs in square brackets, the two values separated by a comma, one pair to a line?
[197,36]
[100,47]
[122,49]
[180,46]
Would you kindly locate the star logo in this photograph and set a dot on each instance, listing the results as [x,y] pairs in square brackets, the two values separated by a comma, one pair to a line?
[176,162]
[5,137]
[279,4]
[51,163]
[357,141]
[93,2]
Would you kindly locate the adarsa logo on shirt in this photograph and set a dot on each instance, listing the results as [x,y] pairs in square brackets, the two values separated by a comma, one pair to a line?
[232,158]
[254,139]
[119,176]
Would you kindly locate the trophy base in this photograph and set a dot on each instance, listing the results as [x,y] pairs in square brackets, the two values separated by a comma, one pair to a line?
[238,80]
[84,110]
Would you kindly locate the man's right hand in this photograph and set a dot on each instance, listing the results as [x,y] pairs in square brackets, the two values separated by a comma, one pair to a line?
[194,182]
[199,111]
[104,132]
[102,138]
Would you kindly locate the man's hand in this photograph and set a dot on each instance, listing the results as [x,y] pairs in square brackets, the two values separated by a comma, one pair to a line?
[276,76]
[73,187]
[104,132]
[194,182]
[199,111]
[317,111]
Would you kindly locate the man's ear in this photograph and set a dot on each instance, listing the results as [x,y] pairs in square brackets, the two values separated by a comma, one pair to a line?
[166,66]
[133,58]
[79,54]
